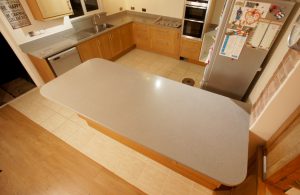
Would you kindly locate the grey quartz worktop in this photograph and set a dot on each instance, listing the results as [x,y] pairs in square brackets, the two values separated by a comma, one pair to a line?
[50,45]
[202,130]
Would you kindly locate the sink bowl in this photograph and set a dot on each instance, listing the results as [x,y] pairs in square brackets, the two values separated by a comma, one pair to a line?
[98,28]
[85,33]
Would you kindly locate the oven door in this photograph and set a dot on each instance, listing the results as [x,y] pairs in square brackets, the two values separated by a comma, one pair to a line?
[193,28]
[195,13]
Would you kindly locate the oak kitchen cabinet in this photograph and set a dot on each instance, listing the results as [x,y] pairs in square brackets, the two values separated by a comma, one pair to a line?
[141,34]
[108,45]
[165,41]
[49,9]
[126,36]
[190,48]
[115,42]
[157,39]
[89,49]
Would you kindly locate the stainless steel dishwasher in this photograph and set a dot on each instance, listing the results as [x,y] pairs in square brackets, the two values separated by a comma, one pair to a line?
[64,61]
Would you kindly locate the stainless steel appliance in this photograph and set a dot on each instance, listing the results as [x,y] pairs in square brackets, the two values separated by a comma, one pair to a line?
[194,18]
[64,61]
[247,31]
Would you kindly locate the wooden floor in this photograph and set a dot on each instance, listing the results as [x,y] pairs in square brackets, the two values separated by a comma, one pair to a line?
[33,161]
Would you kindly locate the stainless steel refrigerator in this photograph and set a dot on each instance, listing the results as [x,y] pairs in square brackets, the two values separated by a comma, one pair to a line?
[247,31]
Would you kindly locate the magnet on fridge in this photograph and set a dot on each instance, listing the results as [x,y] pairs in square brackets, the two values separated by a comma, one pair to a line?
[277,12]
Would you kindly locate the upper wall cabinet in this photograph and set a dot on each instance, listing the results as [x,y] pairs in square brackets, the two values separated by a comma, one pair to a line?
[49,9]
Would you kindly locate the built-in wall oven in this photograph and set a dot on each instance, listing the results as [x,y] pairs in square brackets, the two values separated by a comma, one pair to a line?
[194,18]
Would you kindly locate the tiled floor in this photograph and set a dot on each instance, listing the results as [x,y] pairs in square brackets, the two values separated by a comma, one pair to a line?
[135,168]
[162,66]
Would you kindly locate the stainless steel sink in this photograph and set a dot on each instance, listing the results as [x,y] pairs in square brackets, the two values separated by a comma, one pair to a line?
[88,32]
[98,28]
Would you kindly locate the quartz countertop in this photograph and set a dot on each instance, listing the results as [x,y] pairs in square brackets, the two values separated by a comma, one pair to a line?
[199,129]
[50,45]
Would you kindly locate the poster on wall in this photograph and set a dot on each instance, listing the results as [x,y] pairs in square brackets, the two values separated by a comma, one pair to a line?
[14,13]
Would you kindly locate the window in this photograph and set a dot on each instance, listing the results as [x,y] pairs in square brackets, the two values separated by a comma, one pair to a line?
[84,7]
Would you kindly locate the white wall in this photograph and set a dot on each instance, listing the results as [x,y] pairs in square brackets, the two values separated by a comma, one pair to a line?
[285,100]
[219,4]
[50,27]
[273,63]
[171,8]
[113,6]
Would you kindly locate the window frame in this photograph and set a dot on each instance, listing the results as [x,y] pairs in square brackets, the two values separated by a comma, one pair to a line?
[90,13]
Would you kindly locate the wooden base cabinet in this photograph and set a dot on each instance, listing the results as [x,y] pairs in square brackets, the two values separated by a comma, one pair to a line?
[115,42]
[127,36]
[89,49]
[190,48]
[43,68]
[104,45]
[109,45]
[141,34]
[165,41]
[157,39]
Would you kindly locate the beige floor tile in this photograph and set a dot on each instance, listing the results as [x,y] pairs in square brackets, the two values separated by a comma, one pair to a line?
[162,65]
[76,119]
[54,106]
[177,184]
[81,138]
[196,68]
[158,166]
[38,113]
[152,180]
[200,190]
[103,151]
[66,112]
[129,167]
[66,130]
[175,77]
[53,122]
[94,148]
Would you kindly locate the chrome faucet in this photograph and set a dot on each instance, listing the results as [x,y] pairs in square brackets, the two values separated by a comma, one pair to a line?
[94,20]
[95,23]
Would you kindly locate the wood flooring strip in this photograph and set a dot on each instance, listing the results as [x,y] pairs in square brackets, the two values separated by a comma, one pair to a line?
[33,161]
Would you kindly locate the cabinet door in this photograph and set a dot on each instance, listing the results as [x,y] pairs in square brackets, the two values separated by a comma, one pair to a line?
[89,49]
[165,41]
[115,42]
[54,8]
[126,36]
[141,34]
[190,48]
[105,46]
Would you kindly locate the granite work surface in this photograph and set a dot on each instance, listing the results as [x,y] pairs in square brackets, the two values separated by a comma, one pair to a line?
[199,129]
[50,45]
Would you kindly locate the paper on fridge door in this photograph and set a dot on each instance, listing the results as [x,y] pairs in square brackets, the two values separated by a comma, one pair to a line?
[258,34]
[232,46]
[269,37]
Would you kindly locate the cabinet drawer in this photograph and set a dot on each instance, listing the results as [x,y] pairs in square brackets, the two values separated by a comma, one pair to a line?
[190,48]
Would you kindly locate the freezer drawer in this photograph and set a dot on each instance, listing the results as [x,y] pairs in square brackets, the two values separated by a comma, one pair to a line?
[64,61]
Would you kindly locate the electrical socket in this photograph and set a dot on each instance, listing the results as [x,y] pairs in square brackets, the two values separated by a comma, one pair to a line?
[143,9]
[132,8]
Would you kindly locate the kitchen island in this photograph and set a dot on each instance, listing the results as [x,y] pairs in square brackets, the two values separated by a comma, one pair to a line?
[201,135]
